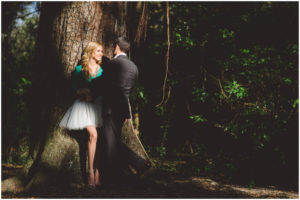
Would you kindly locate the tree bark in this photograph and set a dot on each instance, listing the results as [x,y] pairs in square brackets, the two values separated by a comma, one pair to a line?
[65,29]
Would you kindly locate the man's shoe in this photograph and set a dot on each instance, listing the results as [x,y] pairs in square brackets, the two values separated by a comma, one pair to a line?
[145,167]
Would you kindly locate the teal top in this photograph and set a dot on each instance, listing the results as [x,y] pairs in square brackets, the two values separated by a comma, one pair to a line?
[79,81]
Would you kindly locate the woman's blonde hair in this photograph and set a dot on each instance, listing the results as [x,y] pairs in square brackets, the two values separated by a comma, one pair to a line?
[87,55]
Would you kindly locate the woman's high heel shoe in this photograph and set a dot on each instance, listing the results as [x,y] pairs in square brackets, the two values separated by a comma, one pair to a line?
[91,180]
[97,178]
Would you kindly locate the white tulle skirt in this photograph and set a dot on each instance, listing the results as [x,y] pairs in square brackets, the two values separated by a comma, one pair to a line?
[82,114]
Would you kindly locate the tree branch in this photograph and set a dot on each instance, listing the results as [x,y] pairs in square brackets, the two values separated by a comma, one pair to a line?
[167,55]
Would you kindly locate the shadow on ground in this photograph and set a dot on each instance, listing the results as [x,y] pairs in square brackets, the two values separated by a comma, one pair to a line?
[156,184]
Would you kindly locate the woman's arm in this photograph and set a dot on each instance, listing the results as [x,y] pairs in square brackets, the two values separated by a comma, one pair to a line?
[79,92]
[75,79]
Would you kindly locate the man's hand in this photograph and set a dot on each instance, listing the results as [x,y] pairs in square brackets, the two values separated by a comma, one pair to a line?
[89,97]
[127,120]
[83,91]
[84,94]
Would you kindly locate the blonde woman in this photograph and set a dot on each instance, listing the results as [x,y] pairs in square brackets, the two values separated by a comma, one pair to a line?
[85,113]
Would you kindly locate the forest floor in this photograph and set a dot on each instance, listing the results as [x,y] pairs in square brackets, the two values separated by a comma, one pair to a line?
[156,183]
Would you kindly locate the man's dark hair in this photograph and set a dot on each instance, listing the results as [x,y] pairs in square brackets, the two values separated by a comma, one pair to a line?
[123,43]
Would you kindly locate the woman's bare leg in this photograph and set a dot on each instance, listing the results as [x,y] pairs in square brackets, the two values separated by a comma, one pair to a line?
[97,177]
[91,152]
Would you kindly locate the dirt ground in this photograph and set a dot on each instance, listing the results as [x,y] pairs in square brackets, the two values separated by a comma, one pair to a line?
[154,184]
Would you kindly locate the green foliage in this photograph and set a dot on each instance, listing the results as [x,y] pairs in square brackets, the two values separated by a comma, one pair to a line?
[19,155]
[18,43]
[197,118]
[235,91]
[140,96]
[11,12]
[184,40]
[156,151]
[296,102]
[226,33]
[199,95]
[251,183]
[237,80]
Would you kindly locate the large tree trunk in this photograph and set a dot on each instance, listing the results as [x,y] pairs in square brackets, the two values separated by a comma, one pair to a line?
[64,31]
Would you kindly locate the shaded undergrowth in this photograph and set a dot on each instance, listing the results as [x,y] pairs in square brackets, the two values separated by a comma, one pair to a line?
[170,179]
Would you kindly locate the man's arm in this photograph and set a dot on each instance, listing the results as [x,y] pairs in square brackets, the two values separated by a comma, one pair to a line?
[126,79]
[99,84]
[97,87]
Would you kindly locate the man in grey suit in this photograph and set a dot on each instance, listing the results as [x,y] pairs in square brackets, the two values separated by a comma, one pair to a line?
[119,77]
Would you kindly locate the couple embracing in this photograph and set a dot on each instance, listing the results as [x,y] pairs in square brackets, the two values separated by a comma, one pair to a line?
[102,107]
